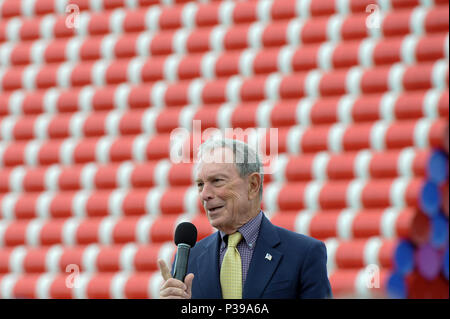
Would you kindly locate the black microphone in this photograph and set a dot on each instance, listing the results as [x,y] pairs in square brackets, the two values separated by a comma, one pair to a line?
[185,239]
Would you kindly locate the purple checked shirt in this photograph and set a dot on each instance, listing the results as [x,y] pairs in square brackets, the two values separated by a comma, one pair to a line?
[246,246]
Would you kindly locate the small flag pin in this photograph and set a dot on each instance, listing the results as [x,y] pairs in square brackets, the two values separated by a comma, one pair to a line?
[268,256]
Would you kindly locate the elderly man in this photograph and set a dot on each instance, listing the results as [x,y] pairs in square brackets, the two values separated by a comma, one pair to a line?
[248,257]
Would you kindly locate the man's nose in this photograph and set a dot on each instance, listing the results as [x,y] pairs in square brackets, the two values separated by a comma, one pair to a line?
[206,193]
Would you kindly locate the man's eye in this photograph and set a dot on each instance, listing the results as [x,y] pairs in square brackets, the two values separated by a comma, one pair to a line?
[199,185]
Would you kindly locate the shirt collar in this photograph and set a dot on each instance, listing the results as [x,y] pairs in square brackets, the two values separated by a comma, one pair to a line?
[249,231]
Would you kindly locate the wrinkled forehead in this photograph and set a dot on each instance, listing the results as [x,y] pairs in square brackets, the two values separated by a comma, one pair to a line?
[216,155]
[215,161]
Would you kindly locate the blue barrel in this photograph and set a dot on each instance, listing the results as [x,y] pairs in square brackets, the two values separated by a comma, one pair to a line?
[430,199]
[404,257]
[437,167]
[439,231]
[445,264]
[396,286]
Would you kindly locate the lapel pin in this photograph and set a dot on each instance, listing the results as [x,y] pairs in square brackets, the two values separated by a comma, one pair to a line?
[268,256]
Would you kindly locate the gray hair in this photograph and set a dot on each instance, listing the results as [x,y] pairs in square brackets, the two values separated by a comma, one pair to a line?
[245,158]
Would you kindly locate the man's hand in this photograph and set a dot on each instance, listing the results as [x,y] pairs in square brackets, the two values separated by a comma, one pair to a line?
[173,288]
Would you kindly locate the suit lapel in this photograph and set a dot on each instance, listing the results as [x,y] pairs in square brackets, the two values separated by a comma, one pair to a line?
[261,268]
[208,266]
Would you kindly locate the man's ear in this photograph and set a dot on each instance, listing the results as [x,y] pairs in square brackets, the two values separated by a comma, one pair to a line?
[254,183]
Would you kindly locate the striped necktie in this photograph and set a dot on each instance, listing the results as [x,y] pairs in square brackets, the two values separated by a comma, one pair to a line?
[231,270]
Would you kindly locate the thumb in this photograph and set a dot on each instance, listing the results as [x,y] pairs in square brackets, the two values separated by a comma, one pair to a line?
[188,282]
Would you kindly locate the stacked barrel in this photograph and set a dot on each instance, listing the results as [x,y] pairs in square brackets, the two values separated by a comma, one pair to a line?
[92,90]
[422,267]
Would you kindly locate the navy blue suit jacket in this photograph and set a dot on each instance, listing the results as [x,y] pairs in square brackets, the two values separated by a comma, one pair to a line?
[297,268]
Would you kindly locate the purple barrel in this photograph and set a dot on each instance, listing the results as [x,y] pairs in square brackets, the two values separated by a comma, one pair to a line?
[428,261]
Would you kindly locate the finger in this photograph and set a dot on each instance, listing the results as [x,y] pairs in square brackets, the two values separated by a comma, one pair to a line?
[165,271]
[173,288]
[174,283]
[173,297]
[173,292]
[188,281]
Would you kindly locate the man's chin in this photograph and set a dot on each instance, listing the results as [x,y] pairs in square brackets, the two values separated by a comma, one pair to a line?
[215,221]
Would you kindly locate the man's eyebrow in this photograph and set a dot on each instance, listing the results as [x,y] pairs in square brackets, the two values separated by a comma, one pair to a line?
[212,177]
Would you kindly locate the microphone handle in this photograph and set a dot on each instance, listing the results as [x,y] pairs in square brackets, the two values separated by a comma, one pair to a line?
[181,261]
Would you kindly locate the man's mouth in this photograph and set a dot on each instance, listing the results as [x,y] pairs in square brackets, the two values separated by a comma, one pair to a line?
[211,210]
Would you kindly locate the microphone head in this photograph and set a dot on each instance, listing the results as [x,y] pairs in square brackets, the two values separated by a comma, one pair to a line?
[186,233]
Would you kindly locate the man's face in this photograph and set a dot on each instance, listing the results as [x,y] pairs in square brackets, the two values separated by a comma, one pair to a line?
[224,194]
